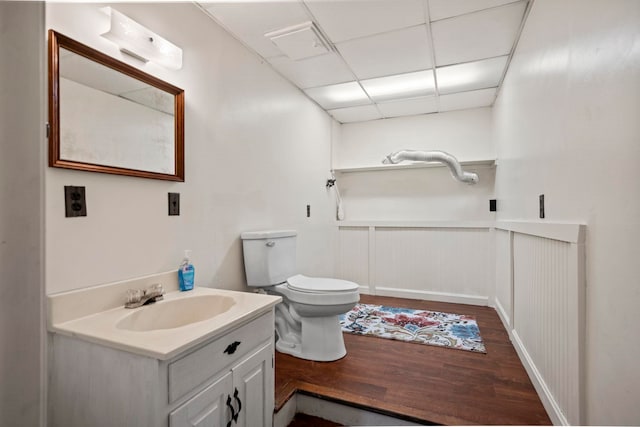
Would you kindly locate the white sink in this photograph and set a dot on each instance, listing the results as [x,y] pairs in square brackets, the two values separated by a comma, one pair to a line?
[161,330]
[175,313]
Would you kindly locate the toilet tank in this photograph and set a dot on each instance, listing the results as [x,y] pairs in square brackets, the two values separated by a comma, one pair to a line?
[269,256]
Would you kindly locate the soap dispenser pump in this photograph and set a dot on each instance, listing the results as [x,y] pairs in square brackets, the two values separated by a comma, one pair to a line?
[186,272]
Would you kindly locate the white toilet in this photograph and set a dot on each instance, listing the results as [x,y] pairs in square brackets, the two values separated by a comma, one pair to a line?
[307,324]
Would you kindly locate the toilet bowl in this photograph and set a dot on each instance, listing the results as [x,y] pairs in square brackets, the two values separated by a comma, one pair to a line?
[307,320]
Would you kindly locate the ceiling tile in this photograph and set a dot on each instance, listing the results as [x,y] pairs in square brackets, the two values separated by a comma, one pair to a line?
[339,96]
[409,85]
[464,100]
[409,107]
[477,35]
[471,75]
[396,52]
[356,114]
[318,71]
[440,9]
[346,20]
[250,21]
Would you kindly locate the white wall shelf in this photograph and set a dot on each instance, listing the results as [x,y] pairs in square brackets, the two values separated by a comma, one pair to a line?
[414,165]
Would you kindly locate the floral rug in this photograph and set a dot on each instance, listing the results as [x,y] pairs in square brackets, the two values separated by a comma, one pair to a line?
[420,326]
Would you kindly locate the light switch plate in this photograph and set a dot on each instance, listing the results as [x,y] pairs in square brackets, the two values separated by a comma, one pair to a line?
[174,204]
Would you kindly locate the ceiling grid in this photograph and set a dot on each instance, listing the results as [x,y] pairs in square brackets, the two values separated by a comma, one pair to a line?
[371,115]
[381,52]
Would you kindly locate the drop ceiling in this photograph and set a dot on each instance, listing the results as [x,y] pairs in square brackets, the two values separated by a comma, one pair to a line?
[374,59]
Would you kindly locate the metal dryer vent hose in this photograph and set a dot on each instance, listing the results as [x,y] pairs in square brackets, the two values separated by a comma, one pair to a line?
[433,156]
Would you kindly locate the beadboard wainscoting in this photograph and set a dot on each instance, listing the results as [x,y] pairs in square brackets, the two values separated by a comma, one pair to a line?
[540,297]
[439,261]
[533,273]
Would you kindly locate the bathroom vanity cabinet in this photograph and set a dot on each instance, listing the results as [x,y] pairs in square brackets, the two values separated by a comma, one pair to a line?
[227,380]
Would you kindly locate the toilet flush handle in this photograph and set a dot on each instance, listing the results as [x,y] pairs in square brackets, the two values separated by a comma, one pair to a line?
[271,243]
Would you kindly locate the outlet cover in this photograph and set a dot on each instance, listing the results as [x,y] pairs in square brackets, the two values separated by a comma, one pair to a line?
[174,204]
[75,203]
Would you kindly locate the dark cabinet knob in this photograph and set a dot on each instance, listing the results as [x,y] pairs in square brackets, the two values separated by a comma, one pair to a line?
[231,348]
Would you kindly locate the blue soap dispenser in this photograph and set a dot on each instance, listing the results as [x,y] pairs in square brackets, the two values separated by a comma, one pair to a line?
[186,272]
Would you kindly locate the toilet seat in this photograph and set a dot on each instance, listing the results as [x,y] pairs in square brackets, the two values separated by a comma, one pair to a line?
[318,291]
[319,285]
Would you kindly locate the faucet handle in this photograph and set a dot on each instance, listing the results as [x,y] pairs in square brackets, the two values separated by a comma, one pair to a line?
[156,288]
[134,296]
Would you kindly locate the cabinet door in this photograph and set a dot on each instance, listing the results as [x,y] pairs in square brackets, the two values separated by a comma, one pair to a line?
[253,385]
[206,409]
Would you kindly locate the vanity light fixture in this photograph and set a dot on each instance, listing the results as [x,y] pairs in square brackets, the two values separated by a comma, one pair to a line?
[140,42]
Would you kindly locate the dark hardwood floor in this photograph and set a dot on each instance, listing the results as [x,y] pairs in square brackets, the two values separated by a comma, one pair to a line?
[423,383]
[303,420]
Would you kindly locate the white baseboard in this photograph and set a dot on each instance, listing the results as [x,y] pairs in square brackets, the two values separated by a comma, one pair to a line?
[432,296]
[365,290]
[550,404]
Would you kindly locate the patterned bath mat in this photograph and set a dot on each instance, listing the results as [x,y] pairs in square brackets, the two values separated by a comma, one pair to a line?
[420,326]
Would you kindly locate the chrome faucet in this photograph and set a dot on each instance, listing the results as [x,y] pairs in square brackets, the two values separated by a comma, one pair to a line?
[139,297]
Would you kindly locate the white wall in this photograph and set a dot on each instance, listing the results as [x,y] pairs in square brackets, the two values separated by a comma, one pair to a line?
[466,134]
[416,194]
[566,126]
[394,218]
[257,152]
[21,222]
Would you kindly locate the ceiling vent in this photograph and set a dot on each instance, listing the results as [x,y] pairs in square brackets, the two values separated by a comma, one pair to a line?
[300,41]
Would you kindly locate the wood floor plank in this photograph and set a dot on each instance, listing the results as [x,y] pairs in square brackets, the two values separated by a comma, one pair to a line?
[420,382]
[303,420]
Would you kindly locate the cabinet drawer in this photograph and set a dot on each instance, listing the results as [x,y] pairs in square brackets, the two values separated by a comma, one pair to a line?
[194,369]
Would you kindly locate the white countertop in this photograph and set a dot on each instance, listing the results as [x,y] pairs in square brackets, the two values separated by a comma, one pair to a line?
[164,344]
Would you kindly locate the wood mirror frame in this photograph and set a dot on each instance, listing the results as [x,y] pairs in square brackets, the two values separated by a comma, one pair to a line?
[57,41]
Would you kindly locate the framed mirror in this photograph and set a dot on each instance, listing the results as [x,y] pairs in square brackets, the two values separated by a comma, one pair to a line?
[107,116]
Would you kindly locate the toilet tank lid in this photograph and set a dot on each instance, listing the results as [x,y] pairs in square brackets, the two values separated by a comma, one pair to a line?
[267,234]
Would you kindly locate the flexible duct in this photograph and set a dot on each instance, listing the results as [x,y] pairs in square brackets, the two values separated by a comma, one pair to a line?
[433,156]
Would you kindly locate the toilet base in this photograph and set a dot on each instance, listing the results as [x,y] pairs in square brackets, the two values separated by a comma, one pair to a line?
[320,340]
